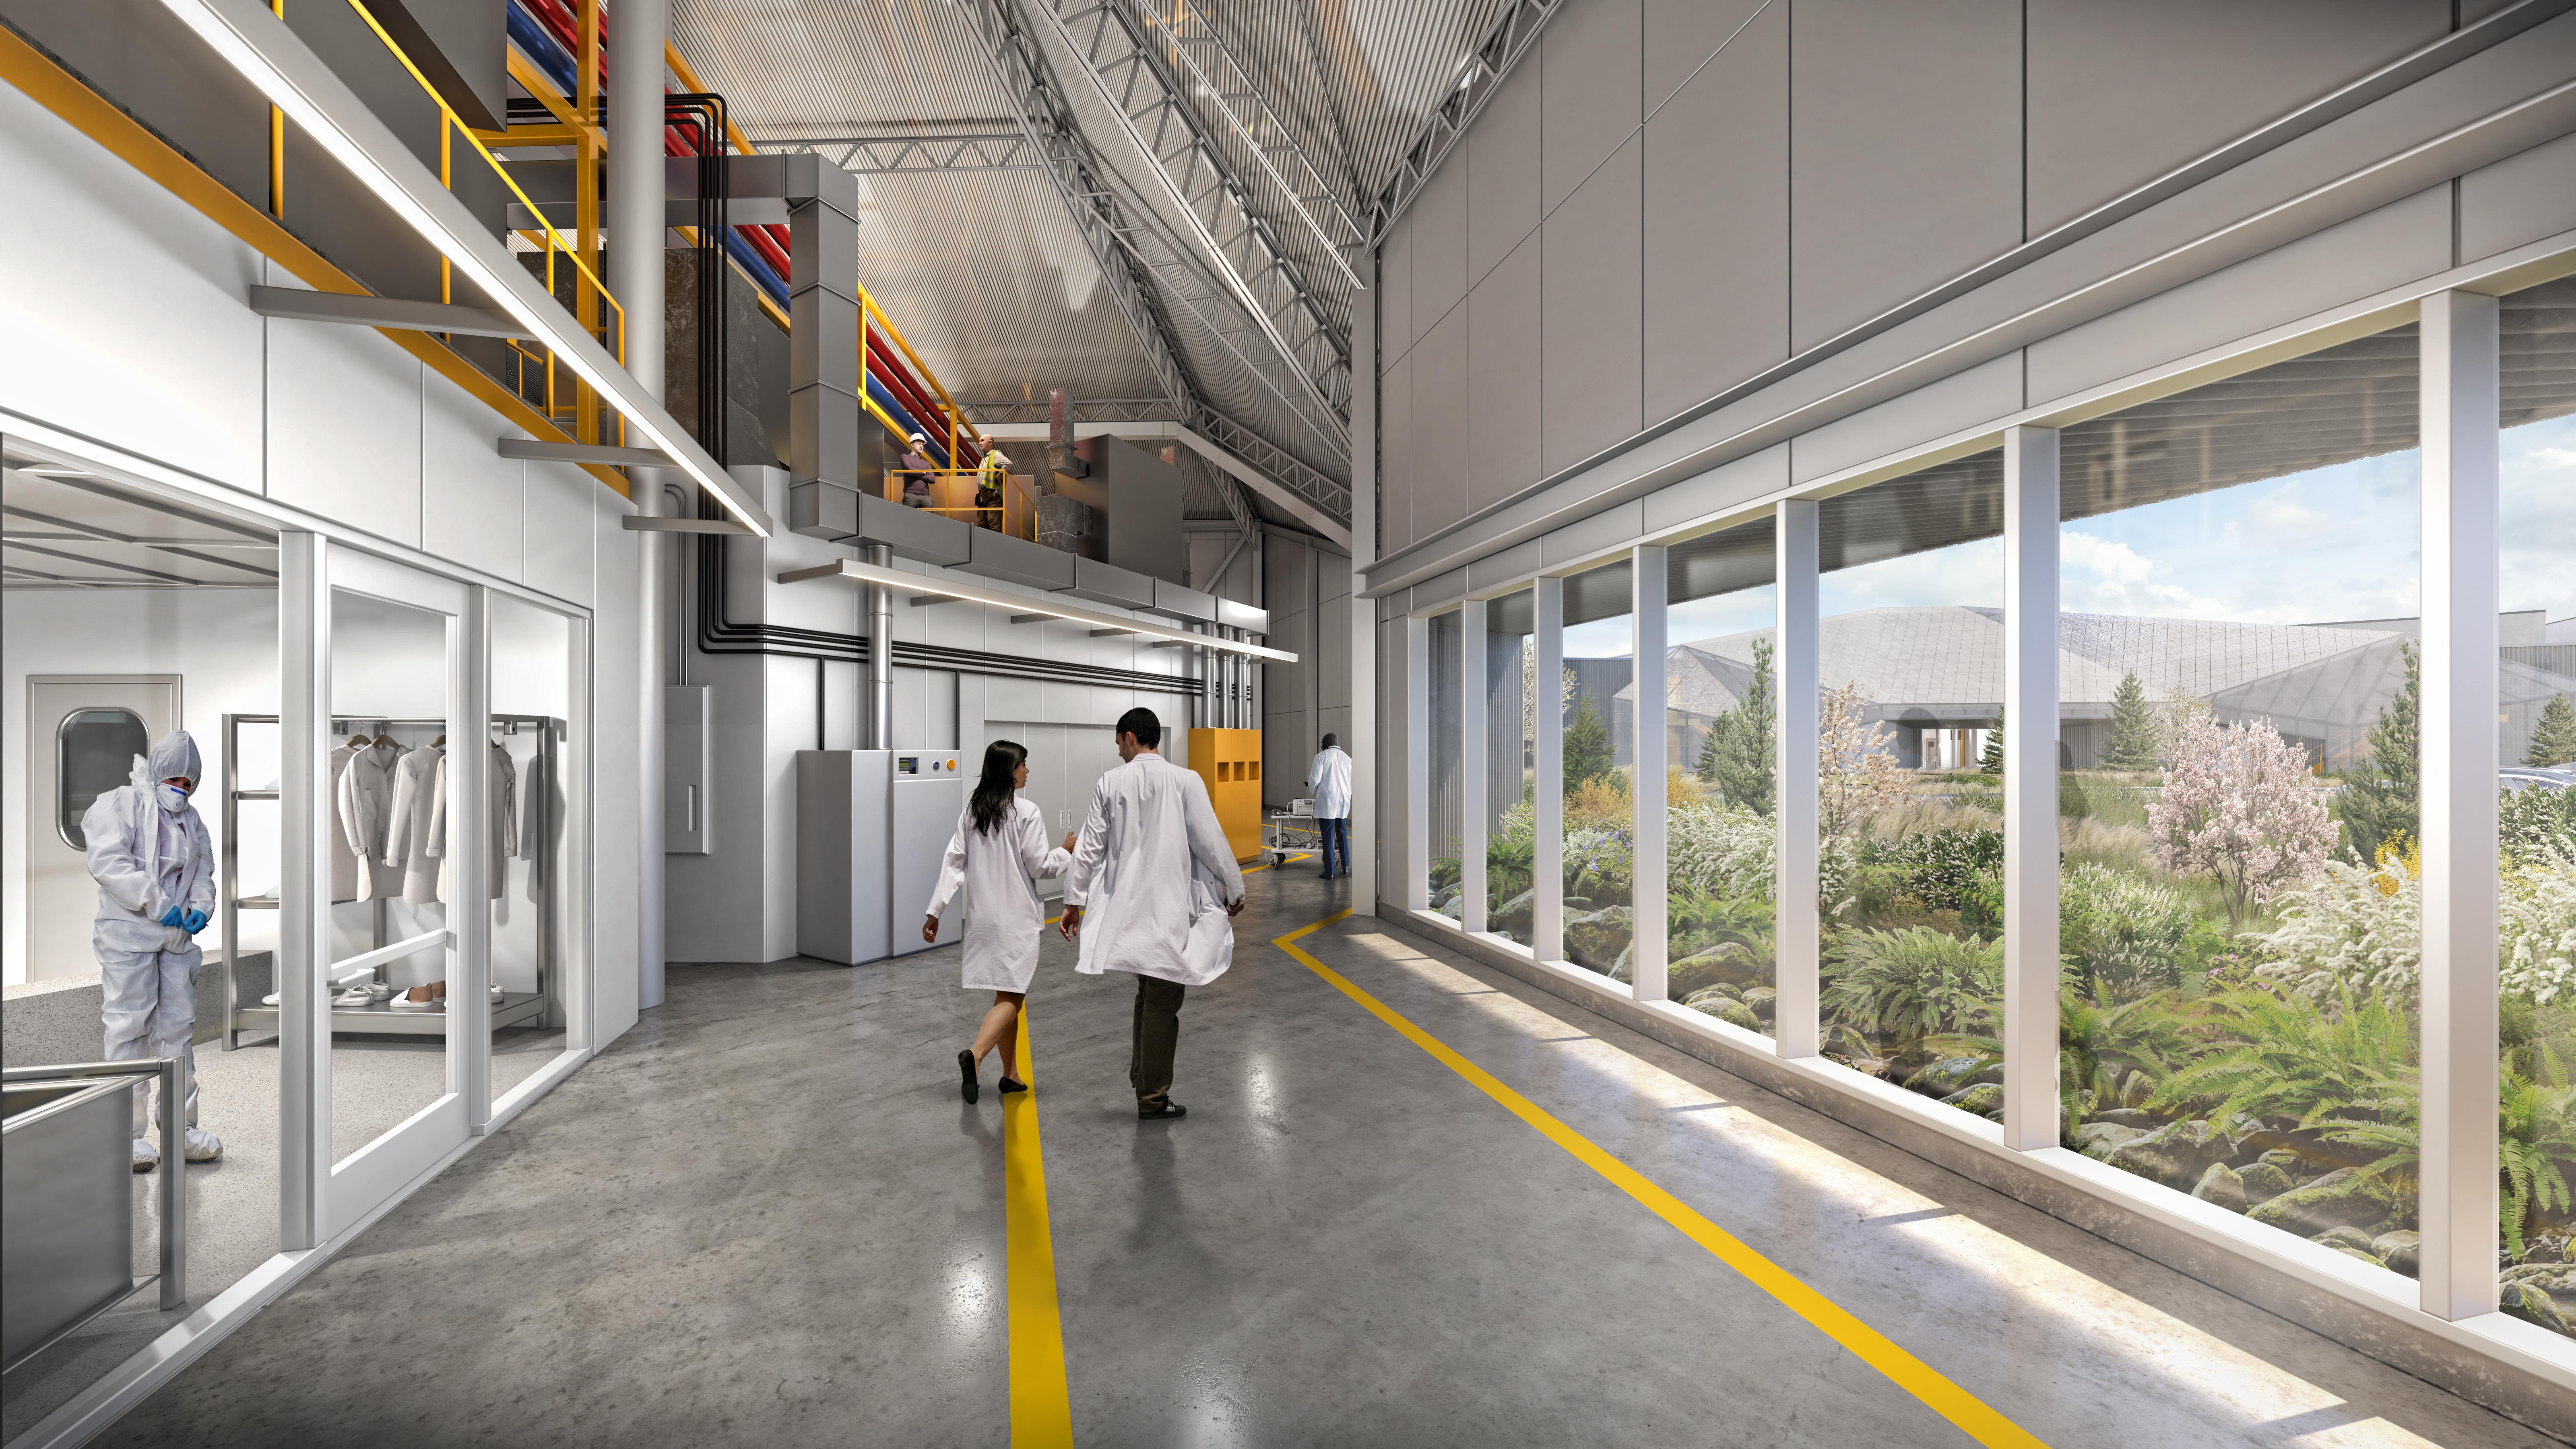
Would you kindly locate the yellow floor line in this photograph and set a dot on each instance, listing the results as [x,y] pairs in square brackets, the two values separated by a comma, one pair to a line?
[1909,1373]
[1041,1418]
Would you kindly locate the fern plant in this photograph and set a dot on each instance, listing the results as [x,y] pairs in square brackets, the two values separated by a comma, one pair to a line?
[1915,983]
[2286,1056]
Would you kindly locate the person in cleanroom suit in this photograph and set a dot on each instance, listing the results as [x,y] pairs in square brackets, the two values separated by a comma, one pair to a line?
[154,866]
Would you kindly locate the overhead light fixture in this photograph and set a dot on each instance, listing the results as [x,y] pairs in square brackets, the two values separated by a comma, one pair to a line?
[256,43]
[942,587]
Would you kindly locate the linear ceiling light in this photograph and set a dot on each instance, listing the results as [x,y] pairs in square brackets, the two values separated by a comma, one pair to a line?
[255,42]
[928,584]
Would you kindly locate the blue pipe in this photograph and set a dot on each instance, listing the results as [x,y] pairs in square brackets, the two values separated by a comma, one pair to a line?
[934,450]
[540,46]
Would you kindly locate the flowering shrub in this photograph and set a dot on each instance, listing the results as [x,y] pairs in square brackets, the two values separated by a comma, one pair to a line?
[2236,806]
[2130,935]
[1720,851]
[2349,930]
[2536,952]
[1857,777]
[1598,864]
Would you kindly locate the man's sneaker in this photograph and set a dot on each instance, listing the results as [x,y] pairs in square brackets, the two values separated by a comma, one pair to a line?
[1164,1113]
[146,1156]
[204,1146]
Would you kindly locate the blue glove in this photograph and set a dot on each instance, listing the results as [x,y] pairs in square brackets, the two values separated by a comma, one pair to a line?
[195,922]
[171,917]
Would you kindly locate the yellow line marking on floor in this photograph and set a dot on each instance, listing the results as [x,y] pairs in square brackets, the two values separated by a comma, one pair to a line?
[1909,1373]
[1041,1416]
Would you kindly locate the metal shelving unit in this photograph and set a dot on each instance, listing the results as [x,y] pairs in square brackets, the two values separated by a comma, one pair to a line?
[379,1018]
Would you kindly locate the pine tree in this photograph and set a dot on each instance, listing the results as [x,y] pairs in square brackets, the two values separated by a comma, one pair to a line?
[2132,743]
[1991,759]
[1588,753]
[1740,756]
[2378,802]
[2553,740]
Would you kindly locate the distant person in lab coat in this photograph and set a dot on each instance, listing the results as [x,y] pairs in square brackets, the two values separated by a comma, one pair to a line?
[1330,778]
[999,854]
[150,855]
[1150,866]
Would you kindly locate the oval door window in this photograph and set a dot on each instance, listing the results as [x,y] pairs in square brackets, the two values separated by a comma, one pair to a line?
[93,753]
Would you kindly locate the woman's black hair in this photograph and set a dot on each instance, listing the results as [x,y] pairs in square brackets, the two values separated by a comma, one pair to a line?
[991,803]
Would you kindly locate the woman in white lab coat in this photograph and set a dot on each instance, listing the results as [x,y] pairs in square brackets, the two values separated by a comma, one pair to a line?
[998,854]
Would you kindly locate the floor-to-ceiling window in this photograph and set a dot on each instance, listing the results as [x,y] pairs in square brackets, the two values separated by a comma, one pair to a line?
[1910,840]
[1721,727]
[1447,797]
[1511,743]
[2240,702]
[1597,783]
[2536,856]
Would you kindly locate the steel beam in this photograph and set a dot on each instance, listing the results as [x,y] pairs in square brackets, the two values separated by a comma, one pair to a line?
[294,304]
[1480,74]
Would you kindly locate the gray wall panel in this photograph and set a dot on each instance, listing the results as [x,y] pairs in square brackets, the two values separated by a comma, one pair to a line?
[1440,424]
[2121,94]
[1395,456]
[1962,400]
[1680,36]
[1591,86]
[1719,487]
[1907,169]
[2519,199]
[1503,366]
[1431,593]
[1502,568]
[2396,243]
[1600,531]
[1502,171]
[1717,223]
[1439,248]
[1591,313]
[1395,293]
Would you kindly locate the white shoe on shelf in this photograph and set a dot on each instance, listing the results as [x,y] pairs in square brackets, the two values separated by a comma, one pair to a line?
[497,994]
[269,1000]
[204,1146]
[354,996]
[146,1156]
[379,993]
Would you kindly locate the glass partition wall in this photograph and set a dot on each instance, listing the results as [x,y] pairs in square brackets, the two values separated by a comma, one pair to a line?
[2194,916]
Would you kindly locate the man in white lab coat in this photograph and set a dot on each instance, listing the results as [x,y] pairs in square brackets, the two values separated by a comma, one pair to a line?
[1330,778]
[154,865]
[1149,866]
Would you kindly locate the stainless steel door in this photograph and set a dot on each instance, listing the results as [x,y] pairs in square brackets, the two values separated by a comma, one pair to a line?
[79,728]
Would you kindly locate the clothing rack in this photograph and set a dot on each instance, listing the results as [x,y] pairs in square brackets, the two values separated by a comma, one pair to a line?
[259,1019]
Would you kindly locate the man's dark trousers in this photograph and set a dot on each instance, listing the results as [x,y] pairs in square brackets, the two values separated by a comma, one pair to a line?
[1157,1034]
[1336,831]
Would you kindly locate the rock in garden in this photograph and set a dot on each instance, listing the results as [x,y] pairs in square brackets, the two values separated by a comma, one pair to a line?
[1982,1098]
[2362,1253]
[2401,1250]
[2099,1140]
[1943,1077]
[2343,1198]
[2556,1279]
[2263,1182]
[1720,966]
[2529,1304]
[2176,1154]
[2144,1121]
[2222,1187]
[2344,1238]
[1759,999]
[2544,1250]
[2286,1160]
[1725,1008]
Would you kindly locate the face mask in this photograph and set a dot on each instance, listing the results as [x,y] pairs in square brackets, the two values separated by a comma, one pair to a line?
[172,798]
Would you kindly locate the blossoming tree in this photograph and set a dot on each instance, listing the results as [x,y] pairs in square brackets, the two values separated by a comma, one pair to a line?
[1857,776]
[2237,807]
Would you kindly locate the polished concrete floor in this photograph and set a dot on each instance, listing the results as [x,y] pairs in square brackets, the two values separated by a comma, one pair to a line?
[765,1217]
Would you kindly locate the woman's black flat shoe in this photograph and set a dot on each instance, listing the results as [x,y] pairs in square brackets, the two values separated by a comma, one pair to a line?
[1009,1086]
[966,1070]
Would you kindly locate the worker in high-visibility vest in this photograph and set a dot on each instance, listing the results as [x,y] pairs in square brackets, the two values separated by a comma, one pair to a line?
[996,471]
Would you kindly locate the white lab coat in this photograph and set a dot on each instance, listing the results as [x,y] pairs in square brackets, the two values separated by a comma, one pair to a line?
[1151,859]
[1330,778]
[407,837]
[364,801]
[1000,873]
[501,815]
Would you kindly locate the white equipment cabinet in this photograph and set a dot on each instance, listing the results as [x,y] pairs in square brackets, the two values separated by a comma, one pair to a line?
[871,826]
[929,793]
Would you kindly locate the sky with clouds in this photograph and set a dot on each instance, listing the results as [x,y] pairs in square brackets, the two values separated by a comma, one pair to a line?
[2330,544]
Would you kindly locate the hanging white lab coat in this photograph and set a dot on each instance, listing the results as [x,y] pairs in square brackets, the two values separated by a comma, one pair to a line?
[1000,873]
[501,816]
[407,837]
[1150,862]
[364,801]
[1330,778]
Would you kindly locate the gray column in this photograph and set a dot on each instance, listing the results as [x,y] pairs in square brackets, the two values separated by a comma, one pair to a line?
[304,889]
[2030,788]
[1646,876]
[1797,933]
[1547,772]
[1363,731]
[1415,889]
[2462,536]
[1471,763]
[636,231]
[876,698]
